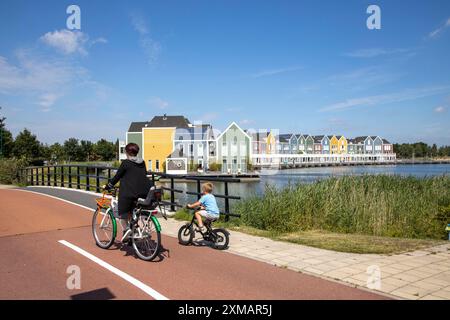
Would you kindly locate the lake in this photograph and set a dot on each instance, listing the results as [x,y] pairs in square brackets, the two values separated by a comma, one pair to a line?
[280,178]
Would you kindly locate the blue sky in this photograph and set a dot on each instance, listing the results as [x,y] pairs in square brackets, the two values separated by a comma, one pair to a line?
[297,66]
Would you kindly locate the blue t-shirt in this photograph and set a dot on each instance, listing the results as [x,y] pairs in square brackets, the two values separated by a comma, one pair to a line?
[210,204]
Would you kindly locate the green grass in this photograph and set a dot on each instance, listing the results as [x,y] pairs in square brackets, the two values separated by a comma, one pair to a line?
[364,214]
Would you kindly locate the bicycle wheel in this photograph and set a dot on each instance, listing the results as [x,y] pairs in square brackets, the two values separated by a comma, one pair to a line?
[220,238]
[103,228]
[185,234]
[146,238]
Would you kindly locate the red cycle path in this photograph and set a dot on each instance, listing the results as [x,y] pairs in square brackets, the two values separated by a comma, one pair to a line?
[33,264]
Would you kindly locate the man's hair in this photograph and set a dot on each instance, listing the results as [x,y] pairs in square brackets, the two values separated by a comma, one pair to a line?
[207,187]
[132,149]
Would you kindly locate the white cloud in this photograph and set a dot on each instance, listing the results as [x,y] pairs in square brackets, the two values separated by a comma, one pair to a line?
[374,52]
[272,72]
[246,122]
[70,42]
[34,74]
[66,41]
[158,103]
[151,47]
[435,33]
[47,100]
[405,95]
[440,109]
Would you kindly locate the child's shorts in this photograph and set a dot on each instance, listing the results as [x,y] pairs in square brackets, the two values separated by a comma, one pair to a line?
[207,215]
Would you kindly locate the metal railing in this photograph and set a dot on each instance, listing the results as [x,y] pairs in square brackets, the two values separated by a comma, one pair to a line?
[91,178]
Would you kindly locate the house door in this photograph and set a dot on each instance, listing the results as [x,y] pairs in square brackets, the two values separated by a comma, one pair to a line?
[200,163]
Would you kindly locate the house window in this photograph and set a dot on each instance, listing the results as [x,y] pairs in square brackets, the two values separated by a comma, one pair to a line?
[122,150]
[200,150]
[157,165]
[191,149]
[235,141]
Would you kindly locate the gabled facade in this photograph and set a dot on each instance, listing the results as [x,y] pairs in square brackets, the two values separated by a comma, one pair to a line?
[377,144]
[334,144]
[342,144]
[387,146]
[259,141]
[196,144]
[318,144]
[367,143]
[301,143]
[283,143]
[233,149]
[271,143]
[309,144]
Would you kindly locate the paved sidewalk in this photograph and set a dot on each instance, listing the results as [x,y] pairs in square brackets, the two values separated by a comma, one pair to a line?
[422,274]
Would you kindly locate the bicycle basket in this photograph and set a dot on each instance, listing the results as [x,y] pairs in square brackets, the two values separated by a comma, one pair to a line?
[103,202]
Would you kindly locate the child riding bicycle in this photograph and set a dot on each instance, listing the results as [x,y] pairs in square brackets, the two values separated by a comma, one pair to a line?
[208,206]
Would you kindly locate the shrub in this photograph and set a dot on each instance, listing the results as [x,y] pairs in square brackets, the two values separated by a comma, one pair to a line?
[9,170]
[214,166]
[374,205]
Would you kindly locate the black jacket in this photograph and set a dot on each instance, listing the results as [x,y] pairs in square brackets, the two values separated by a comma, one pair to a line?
[133,180]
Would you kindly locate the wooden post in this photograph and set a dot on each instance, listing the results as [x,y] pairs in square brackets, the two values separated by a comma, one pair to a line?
[172,194]
[227,203]
[199,189]
[78,177]
[48,176]
[54,176]
[62,176]
[87,179]
[70,176]
[42,176]
[97,180]
[32,172]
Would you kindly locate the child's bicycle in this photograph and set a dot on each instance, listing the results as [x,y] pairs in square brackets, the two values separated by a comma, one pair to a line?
[219,237]
[144,228]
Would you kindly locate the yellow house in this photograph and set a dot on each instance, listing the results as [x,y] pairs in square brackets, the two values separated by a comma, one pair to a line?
[271,143]
[157,146]
[158,139]
[342,144]
[334,144]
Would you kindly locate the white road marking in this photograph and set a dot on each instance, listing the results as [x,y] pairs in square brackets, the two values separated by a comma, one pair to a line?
[151,292]
[53,197]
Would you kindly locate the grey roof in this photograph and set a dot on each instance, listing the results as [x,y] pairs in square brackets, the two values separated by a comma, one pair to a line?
[284,137]
[257,135]
[386,141]
[161,122]
[318,139]
[360,139]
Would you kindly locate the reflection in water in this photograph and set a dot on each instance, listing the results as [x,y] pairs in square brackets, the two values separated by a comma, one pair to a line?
[281,178]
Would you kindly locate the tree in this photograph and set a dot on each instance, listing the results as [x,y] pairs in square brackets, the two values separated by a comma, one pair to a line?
[6,139]
[26,145]
[72,150]
[105,150]
[87,149]
[56,152]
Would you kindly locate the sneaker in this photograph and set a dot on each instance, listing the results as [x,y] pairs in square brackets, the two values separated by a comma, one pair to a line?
[201,229]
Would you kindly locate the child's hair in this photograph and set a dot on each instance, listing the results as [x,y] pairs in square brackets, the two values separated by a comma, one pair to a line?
[132,149]
[207,187]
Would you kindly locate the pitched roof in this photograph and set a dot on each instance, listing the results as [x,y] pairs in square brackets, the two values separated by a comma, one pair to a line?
[386,141]
[197,132]
[169,121]
[284,137]
[361,139]
[161,122]
[318,139]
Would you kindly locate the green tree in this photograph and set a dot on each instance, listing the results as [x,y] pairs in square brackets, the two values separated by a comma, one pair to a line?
[26,145]
[87,149]
[6,139]
[72,150]
[56,152]
[105,150]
